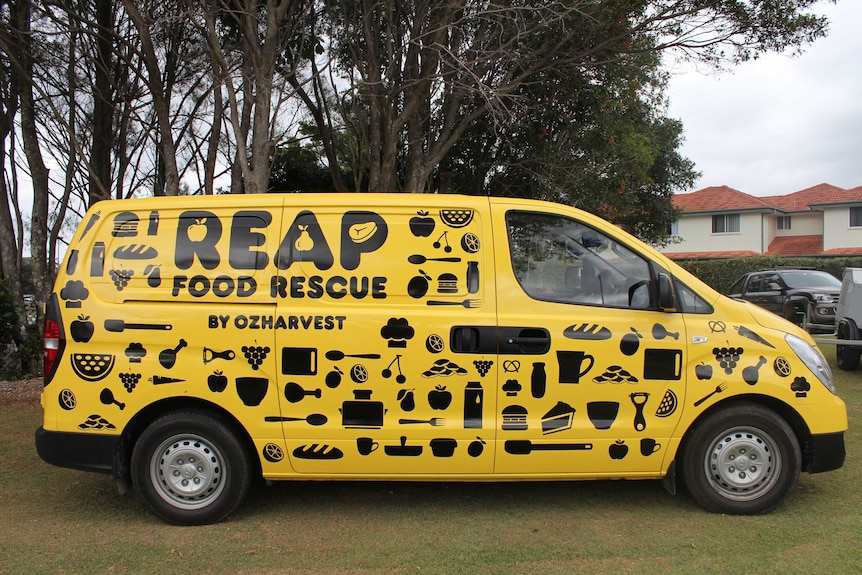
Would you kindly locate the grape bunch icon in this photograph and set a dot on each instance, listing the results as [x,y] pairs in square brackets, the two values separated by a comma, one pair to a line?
[130,380]
[483,366]
[727,357]
[255,354]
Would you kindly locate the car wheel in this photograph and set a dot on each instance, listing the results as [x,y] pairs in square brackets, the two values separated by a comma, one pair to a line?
[741,460]
[190,468]
[847,356]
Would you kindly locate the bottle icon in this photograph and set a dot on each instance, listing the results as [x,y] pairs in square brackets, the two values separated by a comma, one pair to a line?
[473,395]
[153,228]
[538,380]
[97,260]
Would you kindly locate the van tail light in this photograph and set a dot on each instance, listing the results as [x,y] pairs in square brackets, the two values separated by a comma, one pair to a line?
[54,339]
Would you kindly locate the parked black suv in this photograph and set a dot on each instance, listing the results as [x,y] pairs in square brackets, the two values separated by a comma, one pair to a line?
[806,297]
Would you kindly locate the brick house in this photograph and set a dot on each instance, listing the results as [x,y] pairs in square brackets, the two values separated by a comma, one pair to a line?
[722,222]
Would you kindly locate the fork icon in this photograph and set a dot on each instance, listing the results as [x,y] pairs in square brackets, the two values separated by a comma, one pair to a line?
[718,389]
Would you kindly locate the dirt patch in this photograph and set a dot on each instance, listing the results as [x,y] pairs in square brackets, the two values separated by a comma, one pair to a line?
[20,391]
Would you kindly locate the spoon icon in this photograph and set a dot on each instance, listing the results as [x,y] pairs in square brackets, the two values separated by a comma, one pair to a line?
[420,259]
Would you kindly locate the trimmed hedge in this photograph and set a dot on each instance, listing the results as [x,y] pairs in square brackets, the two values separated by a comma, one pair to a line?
[721,274]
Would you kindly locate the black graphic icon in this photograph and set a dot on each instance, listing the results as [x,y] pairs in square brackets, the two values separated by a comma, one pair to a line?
[82,329]
[397,330]
[473,396]
[125,225]
[558,418]
[572,366]
[445,240]
[630,343]
[615,374]
[434,343]
[476,447]
[162,380]
[361,233]
[272,453]
[333,378]
[514,418]
[255,354]
[294,393]
[361,412]
[667,405]
[304,242]
[717,326]
[433,422]
[107,398]
[456,218]
[335,355]
[482,366]
[639,400]
[72,262]
[727,357]
[121,278]
[74,293]
[417,287]
[703,371]
[153,224]
[443,447]
[649,446]
[447,283]
[618,449]
[511,366]
[90,223]
[97,260]
[387,372]
[538,380]
[92,366]
[154,275]
[421,225]
[470,243]
[468,303]
[718,389]
[96,421]
[525,446]
[315,419]
[129,380]
[198,232]
[751,374]
[359,373]
[444,368]
[168,357]
[118,325]
[745,332]
[67,400]
[317,451]
[406,399]
[512,387]
[472,277]
[602,414]
[210,355]
[420,259]
[252,390]
[135,252]
[366,445]
[135,352]
[217,381]
[299,361]
[439,398]
[591,331]
[781,366]
[801,386]
[402,449]
[659,332]
[663,364]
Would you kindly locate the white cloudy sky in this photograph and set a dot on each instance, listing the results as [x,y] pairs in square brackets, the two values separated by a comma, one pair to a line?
[779,124]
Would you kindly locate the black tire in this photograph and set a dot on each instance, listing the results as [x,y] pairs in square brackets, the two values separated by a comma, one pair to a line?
[771,451]
[847,356]
[190,468]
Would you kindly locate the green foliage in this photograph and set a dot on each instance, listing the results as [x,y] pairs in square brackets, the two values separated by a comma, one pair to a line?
[721,274]
[10,334]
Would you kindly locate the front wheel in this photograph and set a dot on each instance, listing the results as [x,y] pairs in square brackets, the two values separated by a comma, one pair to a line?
[190,468]
[742,460]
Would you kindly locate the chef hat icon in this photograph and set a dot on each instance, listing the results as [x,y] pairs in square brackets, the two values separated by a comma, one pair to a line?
[801,386]
[74,292]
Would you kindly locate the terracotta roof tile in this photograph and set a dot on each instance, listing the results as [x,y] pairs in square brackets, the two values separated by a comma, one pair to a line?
[801,200]
[796,246]
[717,198]
[702,255]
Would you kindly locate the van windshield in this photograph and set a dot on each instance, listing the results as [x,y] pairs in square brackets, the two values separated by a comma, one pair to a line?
[811,279]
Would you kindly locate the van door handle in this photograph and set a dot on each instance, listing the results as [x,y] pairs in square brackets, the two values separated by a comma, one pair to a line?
[524,340]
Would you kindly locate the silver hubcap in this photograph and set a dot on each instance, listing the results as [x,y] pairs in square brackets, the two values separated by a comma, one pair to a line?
[743,464]
[187,471]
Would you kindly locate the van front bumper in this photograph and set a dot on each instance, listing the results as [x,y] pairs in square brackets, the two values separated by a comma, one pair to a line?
[81,451]
[825,452]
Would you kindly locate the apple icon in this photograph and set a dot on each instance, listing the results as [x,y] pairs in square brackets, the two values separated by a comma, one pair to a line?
[703,371]
[422,225]
[82,329]
[618,449]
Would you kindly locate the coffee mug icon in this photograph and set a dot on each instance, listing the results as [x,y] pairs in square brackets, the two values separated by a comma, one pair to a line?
[572,366]
[366,445]
[649,446]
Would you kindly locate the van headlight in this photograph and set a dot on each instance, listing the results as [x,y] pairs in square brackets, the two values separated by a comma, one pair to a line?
[812,358]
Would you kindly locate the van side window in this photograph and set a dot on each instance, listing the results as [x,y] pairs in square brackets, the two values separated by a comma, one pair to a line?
[562,260]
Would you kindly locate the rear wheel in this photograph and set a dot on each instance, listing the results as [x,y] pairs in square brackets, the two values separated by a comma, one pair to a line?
[190,468]
[847,356]
[742,460]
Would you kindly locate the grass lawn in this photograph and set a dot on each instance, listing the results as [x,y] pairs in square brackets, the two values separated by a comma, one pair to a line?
[60,521]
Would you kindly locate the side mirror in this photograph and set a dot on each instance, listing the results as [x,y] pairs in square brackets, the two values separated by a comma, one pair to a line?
[665,293]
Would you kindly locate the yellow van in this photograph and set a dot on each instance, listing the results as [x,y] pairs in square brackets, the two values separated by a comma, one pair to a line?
[193,344]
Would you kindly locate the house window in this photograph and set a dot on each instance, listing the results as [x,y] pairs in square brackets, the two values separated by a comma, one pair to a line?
[856,217]
[783,222]
[725,223]
[674,228]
